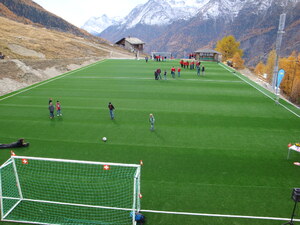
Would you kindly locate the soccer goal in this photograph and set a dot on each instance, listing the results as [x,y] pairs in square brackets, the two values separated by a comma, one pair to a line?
[58,191]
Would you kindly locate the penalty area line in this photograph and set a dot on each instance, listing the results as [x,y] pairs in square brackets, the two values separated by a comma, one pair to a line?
[50,80]
[220,215]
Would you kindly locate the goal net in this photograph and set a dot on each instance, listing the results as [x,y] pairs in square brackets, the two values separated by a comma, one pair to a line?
[57,191]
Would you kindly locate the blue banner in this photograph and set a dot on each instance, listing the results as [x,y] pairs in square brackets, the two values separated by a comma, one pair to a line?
[280,77]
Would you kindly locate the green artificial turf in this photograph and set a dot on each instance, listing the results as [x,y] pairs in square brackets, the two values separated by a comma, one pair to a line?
[219,145]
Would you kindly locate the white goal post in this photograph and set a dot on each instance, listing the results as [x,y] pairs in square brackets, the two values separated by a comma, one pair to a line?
[59,191]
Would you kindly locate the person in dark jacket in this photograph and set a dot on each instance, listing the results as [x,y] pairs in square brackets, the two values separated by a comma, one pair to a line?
[18,144]
[155,75]
[111,110]
[51,110]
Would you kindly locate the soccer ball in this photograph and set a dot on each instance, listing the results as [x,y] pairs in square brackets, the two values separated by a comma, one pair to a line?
[104,139]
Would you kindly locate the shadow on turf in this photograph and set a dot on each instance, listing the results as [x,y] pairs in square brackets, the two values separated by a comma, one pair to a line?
[156,133]
[115,122]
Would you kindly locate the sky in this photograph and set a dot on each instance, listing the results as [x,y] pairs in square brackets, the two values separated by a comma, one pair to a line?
[78,12]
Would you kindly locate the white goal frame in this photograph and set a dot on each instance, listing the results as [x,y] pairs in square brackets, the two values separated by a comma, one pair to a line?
[136,205]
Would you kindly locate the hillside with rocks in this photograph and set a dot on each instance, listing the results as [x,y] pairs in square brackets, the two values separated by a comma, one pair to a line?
[34,53]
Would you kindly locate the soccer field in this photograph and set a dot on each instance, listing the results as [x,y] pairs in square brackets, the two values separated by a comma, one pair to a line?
[219,145]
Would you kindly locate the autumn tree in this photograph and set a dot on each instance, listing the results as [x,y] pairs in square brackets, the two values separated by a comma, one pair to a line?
[295,95]
[228,46]
[290,85]
[238,62]
[270,66]
[260,69]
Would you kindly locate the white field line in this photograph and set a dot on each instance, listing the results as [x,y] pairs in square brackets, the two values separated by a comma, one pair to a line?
[175,213]
[147,78]
[220,215]
[262,92]
[51,79]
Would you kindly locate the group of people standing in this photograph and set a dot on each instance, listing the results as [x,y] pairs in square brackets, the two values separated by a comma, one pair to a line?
[51,108]
[159,58]
[157,73]
[193,65]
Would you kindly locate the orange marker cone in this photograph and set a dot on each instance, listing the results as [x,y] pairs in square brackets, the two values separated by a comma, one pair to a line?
[12,153]
[141,162]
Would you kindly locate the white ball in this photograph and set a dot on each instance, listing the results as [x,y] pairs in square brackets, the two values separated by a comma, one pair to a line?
[104,139]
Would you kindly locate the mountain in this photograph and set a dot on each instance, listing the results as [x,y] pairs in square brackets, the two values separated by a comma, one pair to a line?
[157,12]
[95,25]
[172,25]
[28,12]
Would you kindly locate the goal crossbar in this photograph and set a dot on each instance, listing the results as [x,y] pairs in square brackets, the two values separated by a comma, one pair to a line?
[76,161]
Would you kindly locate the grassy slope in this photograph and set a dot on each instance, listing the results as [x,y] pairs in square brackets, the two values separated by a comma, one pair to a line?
[219,145]
[53,44]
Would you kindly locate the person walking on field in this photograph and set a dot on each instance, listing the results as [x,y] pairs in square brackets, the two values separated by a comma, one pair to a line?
[173,72]
[203,70]
[155,75]
[51,110]
[178,70]
[198,70]
[152,121]
[58,109]
[158,73]
[111,110]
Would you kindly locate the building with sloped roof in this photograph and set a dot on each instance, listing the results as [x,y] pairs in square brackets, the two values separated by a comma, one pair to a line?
[132,44]
[208,55]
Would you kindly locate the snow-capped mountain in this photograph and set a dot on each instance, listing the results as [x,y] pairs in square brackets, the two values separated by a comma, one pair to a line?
[180,26]
[230,8]
[162,12]
[153,12]
[95,25]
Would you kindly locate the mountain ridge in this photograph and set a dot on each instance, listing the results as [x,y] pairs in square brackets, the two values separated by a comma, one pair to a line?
[253,22]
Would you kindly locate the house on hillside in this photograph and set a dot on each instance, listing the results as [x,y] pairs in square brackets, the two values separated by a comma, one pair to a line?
[132,44]
[208,55]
